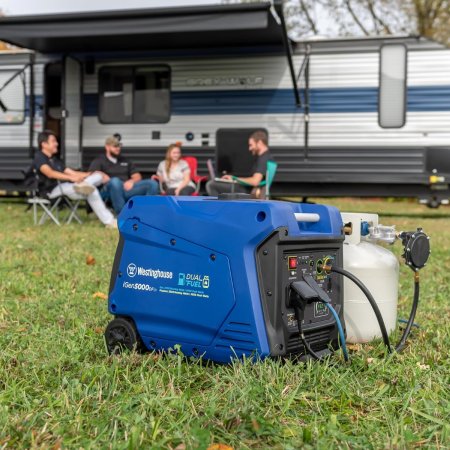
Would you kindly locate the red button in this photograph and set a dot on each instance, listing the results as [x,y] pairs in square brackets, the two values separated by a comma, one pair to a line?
[292,262]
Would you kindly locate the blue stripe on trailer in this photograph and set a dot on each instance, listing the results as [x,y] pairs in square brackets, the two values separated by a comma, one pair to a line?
[281,101]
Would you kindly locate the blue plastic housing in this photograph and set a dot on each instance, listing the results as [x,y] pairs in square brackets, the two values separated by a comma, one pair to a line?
[185,270]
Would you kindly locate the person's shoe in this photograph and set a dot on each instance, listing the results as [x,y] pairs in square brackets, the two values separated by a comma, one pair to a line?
[112,225]
[83,188]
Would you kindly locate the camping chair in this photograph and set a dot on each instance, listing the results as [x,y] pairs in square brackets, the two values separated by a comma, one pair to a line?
[263,188]
[50,207]
[197,179]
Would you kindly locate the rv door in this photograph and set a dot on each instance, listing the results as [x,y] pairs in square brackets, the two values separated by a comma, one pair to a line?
[72,115]
[16,121]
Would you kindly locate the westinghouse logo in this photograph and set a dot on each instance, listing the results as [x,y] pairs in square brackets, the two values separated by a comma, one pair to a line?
[133,270]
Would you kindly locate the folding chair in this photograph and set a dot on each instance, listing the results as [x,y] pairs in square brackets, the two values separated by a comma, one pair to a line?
[264,186]
[50,207]
[197,179]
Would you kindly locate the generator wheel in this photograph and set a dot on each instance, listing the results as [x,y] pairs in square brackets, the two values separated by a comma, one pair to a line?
[121,335]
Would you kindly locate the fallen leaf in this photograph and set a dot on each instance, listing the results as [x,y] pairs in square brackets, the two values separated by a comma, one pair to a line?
[370,360]
[57,445]
[219,447]
[99,295]
[90,260]
[255,425]
[37,274]
[98,330]
[354,347]
[423,366]
[180,447]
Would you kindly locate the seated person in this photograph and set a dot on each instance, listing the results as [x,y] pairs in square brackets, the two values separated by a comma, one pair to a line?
[174,173]
[121,178]
[258,146]
[76,185]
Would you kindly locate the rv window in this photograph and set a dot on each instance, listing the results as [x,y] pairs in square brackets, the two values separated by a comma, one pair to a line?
[12,96]
[134,94]
[392,93]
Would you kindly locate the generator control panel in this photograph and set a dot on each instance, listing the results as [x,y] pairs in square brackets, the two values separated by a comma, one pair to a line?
[302,263]
[284,262]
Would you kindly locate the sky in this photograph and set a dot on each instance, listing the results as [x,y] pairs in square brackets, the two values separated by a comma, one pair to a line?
[24,7]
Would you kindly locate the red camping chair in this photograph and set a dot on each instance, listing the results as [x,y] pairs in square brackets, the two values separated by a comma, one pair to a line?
[197,179]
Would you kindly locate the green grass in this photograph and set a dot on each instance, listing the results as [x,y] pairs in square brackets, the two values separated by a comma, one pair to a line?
[59,388]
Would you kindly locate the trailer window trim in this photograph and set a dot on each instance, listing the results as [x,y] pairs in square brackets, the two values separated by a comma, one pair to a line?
[108,93]
[380,87]
[22,76]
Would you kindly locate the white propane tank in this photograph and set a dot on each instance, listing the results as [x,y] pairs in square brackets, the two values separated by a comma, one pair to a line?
[378,269]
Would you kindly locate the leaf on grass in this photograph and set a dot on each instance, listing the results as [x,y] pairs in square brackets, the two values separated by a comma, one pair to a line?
[98,330]
[180,447]
[423,366]
[99,295]
[285,390]
[37,273]
[255,425]
[370,360]
[219,447]
[354,347]
[90,260]
[57,445]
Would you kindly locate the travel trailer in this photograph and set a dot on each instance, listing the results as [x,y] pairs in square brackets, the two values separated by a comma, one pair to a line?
[347,117]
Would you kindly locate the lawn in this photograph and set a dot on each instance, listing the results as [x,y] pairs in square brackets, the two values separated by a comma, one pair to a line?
[60,389]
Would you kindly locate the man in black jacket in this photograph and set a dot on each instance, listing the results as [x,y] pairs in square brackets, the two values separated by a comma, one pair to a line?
[122,179]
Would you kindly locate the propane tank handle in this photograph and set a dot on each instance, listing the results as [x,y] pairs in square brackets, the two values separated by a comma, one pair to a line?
[306,217]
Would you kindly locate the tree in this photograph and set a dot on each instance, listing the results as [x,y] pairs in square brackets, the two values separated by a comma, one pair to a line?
[333,18]
[429,18]
[4,45]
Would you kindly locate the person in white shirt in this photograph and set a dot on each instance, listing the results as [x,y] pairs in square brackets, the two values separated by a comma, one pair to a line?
[174,173]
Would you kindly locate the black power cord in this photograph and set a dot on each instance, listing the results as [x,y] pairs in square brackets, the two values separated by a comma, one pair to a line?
[299,317]
[402,343]
[308,291]
[369,296]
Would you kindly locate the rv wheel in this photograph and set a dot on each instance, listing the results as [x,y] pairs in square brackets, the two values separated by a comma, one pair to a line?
[433,203]
[120,335]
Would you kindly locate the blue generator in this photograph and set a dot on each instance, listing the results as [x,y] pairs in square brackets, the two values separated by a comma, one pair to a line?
[218,277]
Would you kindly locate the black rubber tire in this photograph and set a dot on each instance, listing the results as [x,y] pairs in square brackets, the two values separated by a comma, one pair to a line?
[121,335]
[433,203]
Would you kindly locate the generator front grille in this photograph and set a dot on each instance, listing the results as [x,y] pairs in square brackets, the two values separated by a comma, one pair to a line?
[318,340]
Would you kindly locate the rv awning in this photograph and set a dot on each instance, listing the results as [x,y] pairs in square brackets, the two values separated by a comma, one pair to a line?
[232,25]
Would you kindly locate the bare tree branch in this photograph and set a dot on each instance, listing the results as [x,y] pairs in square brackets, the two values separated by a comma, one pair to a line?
[355,17]
[304,8]
[377,18]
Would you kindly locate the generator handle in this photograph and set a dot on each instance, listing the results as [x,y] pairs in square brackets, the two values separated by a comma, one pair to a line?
[306,217]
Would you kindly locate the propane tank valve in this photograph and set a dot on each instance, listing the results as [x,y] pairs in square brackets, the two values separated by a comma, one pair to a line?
[416,248]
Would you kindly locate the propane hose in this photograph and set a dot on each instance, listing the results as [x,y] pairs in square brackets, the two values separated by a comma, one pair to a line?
[402,343]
